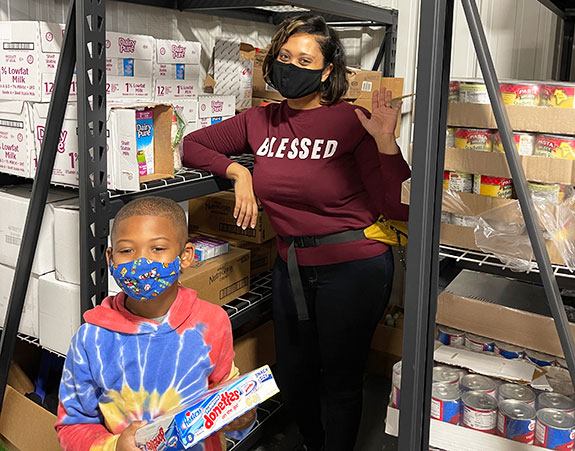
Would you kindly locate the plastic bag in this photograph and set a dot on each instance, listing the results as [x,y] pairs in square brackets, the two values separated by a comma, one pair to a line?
[178,128]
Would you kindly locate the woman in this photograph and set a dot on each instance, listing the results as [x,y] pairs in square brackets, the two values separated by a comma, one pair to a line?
[324,170]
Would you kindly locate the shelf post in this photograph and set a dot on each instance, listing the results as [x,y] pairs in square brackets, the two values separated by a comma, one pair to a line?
[92,151]
[434,60]
[520,184]
[38,198]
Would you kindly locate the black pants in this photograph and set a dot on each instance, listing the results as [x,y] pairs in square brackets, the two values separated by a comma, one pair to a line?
[328,354]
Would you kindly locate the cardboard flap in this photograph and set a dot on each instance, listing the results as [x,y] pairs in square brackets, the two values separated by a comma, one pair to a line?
[12,107]
[41,110]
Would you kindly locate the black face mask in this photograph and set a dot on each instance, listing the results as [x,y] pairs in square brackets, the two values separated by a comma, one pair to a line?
[294,82]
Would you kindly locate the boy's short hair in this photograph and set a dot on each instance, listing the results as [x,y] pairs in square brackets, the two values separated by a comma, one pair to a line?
[154,206]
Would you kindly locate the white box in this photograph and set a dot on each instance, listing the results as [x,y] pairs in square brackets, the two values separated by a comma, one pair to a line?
[17,153]
[129,66]
[207,121]
[169,90]
[178,52]
[233,71]
[188,110]
[59,313]
[14,202]
[29,320]
[28,50]
[216,106]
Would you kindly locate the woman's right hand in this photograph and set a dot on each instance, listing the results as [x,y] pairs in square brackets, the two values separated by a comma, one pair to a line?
[246,210]
[127,441]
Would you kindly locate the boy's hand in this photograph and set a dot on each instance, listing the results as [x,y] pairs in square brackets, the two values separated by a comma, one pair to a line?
[242,422]
[127,442]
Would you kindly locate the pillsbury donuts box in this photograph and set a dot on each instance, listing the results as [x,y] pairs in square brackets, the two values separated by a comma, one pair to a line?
[192,423]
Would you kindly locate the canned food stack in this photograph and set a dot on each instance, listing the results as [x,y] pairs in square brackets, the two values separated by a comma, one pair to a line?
[508,410]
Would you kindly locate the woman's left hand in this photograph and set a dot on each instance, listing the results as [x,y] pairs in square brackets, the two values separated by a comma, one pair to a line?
[381,124]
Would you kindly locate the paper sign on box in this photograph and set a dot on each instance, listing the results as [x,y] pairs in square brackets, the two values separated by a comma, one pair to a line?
[17,154]
[216,106]
[168,90]
[177,52]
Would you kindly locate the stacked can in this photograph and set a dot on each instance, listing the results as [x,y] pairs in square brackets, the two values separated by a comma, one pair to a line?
[516,392]
[477,343]
[558,95]
[478,383]
[449,336]
[474,139]
[553,193]
[554,430]
[493,186]
[520,93]
[461,182]
[446,375]
[525,143]
[508,351]
[479,411]
[395,386]
[473,92]
[538,358]
[445,402]
[450,137]
[556,401]
[555,146]
[453,91]
[516,421]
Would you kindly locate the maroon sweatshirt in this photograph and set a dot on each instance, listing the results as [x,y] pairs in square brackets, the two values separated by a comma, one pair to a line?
[316,172]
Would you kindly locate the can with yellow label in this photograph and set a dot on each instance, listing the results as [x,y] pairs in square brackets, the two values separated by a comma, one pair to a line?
[473,139]
[555,146]
[525,143]
[558,95]
[492,186]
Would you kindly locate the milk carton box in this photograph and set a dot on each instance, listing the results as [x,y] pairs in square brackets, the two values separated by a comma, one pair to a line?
[17,155]
[186,426]
[177,60]
[145,140]
[233,71]
[206,247]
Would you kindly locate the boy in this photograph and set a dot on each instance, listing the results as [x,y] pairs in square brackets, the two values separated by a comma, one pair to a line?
[148,349]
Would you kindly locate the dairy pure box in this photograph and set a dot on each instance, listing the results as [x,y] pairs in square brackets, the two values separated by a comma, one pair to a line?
[190,424]
[17,155]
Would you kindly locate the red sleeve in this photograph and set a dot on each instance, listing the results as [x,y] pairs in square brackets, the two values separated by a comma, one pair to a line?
[382,176]
[83,436]
[210,147]
[219,338]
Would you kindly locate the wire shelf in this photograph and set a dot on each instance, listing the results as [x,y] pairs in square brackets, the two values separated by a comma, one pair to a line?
[482,259]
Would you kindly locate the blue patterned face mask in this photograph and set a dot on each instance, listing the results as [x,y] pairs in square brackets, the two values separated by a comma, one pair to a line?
[143,279]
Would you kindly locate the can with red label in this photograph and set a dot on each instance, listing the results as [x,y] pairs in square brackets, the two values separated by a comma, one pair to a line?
[493,186]
[477,343]
[479,383]
[554,430]
[516,392]
[516,421]
[462,182]
[556,401]
[520,93]
[525,143]
[538,358]
[453,91]
[474,139]
[445,402]
[449,336]
[558,95]
[555,146]
[479,411]
[508,351]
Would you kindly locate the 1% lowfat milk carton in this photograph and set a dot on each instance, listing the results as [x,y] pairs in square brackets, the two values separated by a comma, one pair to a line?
[188,425]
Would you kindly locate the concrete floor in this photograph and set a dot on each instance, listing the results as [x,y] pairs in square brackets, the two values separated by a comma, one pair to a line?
[283,436]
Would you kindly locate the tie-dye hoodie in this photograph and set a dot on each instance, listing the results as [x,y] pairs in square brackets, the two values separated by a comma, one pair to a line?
[122,368]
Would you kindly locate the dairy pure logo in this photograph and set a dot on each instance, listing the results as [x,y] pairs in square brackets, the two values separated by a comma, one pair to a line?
[219,406]
[40,130]
[217,106]
[143,130]
[190,417]
[126,45]
[178,51]
[156,443]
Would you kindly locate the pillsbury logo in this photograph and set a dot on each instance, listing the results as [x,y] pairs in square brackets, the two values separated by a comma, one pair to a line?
[126,45]
[178,51]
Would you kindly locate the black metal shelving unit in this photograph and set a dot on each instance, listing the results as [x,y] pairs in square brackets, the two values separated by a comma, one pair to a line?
[84,48]
[430,266]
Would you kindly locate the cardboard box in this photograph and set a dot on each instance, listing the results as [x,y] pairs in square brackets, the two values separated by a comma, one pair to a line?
[29,319]
[28,50]
[213,214]
[263,256]
[129,66]
[233,71]
[221,279]
[123,145]
[177,60]
[17,407]
[188,110]
[386,345]
[15,199]
[261,88]
[500,308]
[258,101]
[538,169]
[59,312]
[362,83]
[522,118]
[166,91]
[256,348]
[17,155]
[216,106]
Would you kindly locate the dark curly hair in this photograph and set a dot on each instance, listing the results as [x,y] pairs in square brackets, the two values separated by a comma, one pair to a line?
[335,86]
